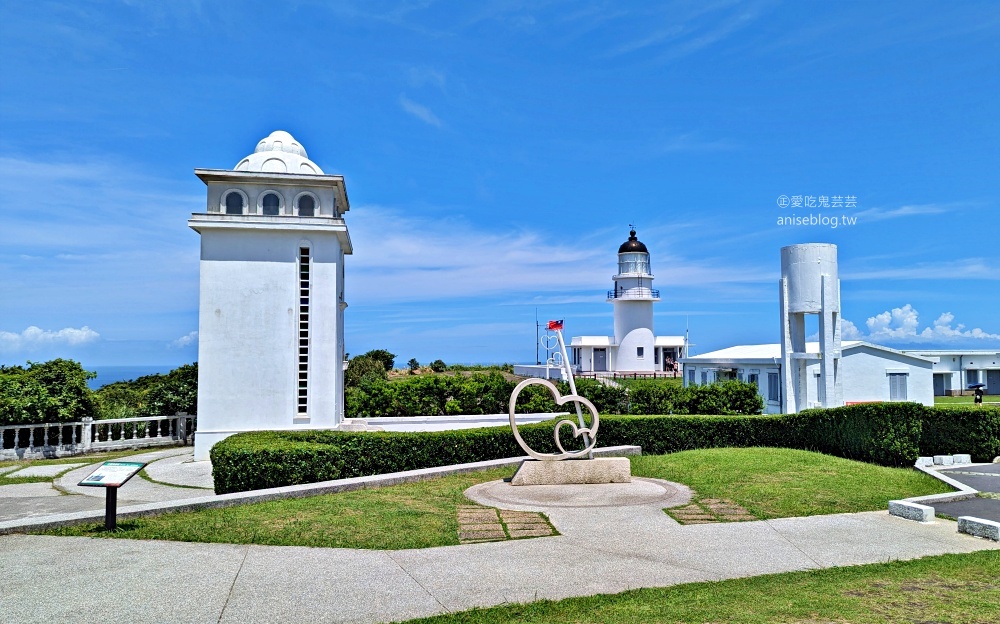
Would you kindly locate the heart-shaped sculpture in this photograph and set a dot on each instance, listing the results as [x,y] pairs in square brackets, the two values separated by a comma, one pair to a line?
[589,433]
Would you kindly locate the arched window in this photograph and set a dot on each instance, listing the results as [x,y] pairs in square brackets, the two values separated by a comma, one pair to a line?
[234,203]
[307,206]
[271,204]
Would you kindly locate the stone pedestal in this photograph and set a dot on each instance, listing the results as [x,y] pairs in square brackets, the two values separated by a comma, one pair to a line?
[574,471]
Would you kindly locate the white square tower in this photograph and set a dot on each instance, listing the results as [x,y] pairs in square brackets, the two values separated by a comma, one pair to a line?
[270,328]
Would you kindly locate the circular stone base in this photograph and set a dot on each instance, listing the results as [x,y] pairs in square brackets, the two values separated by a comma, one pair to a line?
[640,491]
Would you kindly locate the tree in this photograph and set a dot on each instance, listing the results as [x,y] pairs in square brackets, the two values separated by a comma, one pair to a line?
[413,365]
[438,366]
[363,369]
[388,359]
[177,392]
[53,391]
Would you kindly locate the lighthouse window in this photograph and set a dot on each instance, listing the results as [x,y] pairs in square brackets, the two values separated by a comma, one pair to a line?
[640,352]
[271,204]
[302,389]
[307,206]
[234,203]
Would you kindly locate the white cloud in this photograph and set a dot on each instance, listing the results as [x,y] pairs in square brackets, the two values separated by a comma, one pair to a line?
[419,111]
[882,213]
[401,257]
[185,340]
[902,325]
[34,337]
[420,76]
[850,331]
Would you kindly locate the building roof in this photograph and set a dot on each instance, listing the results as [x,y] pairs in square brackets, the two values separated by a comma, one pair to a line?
[632,245]
[279,152]
[669,341]
[593,341]
[772,352]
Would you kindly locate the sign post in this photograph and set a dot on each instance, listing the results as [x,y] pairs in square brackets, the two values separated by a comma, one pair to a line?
[111,476]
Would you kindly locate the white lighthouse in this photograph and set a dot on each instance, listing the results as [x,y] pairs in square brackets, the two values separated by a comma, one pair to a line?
[634,348]
[633,298]
[271,331]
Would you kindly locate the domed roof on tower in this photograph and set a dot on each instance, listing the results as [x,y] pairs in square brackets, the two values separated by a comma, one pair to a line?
[279,152]
[632,245]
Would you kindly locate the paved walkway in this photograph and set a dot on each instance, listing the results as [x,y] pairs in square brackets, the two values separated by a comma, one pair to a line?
[601,549]
[983,477]
[171,466]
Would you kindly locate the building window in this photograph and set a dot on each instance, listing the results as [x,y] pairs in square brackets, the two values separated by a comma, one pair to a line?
[307,206]
[897,386]
[639,352]
[774,387]
[752,378]
[271,205]
[704,377]
[234,203]
[691,377]
[302,390]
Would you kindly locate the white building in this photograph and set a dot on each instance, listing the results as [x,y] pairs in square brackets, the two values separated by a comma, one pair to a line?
[956,370]
[271,332]
[869,372]
[634,348]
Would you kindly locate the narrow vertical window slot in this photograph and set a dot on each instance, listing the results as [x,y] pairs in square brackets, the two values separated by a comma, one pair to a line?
[302,398]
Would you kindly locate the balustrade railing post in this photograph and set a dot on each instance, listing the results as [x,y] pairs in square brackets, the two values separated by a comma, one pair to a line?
[182,427]
[87,437]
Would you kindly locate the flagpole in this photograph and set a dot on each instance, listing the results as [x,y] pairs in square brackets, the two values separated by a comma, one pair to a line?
[537,361]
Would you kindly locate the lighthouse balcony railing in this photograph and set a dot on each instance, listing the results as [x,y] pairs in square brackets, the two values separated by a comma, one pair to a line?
[634,293]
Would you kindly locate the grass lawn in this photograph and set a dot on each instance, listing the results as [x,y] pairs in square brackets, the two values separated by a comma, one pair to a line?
[770,483]
[781,483]
[946,588]
[966,400]
[412,515]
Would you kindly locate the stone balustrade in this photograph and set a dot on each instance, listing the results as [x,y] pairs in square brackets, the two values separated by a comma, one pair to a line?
[43,440]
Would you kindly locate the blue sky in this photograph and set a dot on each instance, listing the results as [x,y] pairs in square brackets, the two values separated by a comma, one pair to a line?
[495,154]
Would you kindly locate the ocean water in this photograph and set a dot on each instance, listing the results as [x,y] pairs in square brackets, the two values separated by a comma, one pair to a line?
[111,374]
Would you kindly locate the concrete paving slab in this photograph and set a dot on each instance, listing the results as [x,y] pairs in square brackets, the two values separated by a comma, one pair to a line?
[27,490]
[48,503]
[102,581]
[851,539]
[137,490]
[293,584]
[182,470]
[6,469]
[44,471]
[525,570]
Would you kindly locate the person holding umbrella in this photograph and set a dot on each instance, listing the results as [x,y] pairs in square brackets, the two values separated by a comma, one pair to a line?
[978,400]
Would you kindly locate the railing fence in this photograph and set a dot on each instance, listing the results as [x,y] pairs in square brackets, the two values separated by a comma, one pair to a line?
[41,440]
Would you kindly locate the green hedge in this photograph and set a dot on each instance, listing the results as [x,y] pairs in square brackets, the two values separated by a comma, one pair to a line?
[891,434]
[961,429]
[372,396]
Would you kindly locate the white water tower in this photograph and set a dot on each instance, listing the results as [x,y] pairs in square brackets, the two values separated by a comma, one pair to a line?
[810,284]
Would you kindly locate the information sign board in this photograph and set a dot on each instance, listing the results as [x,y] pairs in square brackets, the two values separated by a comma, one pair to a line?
[113,474]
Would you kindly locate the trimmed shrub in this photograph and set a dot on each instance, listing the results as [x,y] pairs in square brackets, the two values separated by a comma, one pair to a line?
[961,429]
[267,459]
[881,433]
